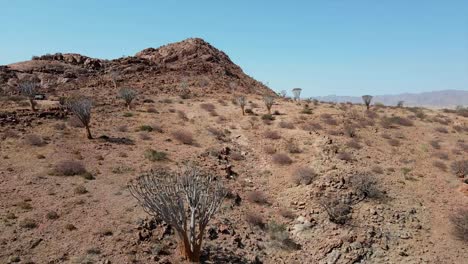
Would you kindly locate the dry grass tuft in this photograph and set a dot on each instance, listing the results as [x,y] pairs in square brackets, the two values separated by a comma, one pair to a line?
[281,159]
[69,168]
[183,136]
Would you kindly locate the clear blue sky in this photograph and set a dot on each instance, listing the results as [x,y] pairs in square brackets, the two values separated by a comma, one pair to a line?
[344,47]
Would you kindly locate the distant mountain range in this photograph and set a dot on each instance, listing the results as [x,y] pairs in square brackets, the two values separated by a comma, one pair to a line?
[436,99]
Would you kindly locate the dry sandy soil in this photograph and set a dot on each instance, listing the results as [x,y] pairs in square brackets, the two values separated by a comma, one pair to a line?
[46,217]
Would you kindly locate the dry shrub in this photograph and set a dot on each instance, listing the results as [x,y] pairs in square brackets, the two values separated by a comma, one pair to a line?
[435,144]
[236,156]
[183,136]
[292,146]
[255,219]
[345,156]
[377,169]
[366,186]
[69,168]
[271,134]
[181,114]
[218,133]
[441,155]
[386,136]
[303,175]
[310,126]
[440,165]
[441,130]
[34,140]
[9,134]
[60,126]
[394,142]
[269,150]
[338,212]
[349,130]
[287,213]
[460,168]
[402,121]
[281,159]
[208,107]
[328,119]
[353,144]
[122,128]
[145,136]
[460,224]
[372,114]
[257,197]
[284,124]
[152,110]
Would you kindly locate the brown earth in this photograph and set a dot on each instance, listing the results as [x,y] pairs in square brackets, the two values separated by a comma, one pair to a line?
[46,217]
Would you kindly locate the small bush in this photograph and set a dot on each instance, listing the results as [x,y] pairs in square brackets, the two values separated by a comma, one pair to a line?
[287,213]
[349,130]
[52,215]
[34,140]
[365,186]
[28,223]
[402,121]
[284,124]
[311,126]
[69,168]
[394,142]
[353,144]
[292,146]
[181,114]
[146,128]
[460,224]
[337,211]
[441,155]
[184,137]
[441,130]
[279,235]
[154,155]
[122,128]
[345,156]
[281,159]
[145,136]
[377,169]
[460,168]
[255,219]
[303,175]
[208,107]
[272,134]
[435,144]
[257,197]
[440,165]
[80,190]
[267,117]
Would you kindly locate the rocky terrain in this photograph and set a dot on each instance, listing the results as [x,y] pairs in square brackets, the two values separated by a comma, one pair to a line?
[311,183]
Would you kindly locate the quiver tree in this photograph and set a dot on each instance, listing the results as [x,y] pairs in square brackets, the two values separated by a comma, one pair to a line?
[400,104]
[29,89]
[114,77]
[241,101]
[297,93]
[283,93]
[81,108]
[269,101]
[186,200]
[127,95]
[367,100]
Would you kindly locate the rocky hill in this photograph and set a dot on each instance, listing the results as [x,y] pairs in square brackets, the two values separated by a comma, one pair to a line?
[190,64]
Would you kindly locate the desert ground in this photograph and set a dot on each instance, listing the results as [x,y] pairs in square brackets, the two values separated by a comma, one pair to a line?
[312,182]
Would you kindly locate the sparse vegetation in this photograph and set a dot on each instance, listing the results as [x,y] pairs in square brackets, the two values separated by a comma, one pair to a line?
[29,88]
[367,100]
[257,197]
[183,136]
[241,102]
[34,140]
[271,134]
[303,175]
[154,155]
[69,168]
[269,101]
[459,221]
[281,159]
[338,212]
[460,168]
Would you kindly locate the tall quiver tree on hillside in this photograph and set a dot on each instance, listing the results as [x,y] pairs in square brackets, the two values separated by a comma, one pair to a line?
[241,101]
[269,101]
[114,77]
[297,93]
[367,100]
[127,94]
[186,200]
[29,89]
[81,108]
